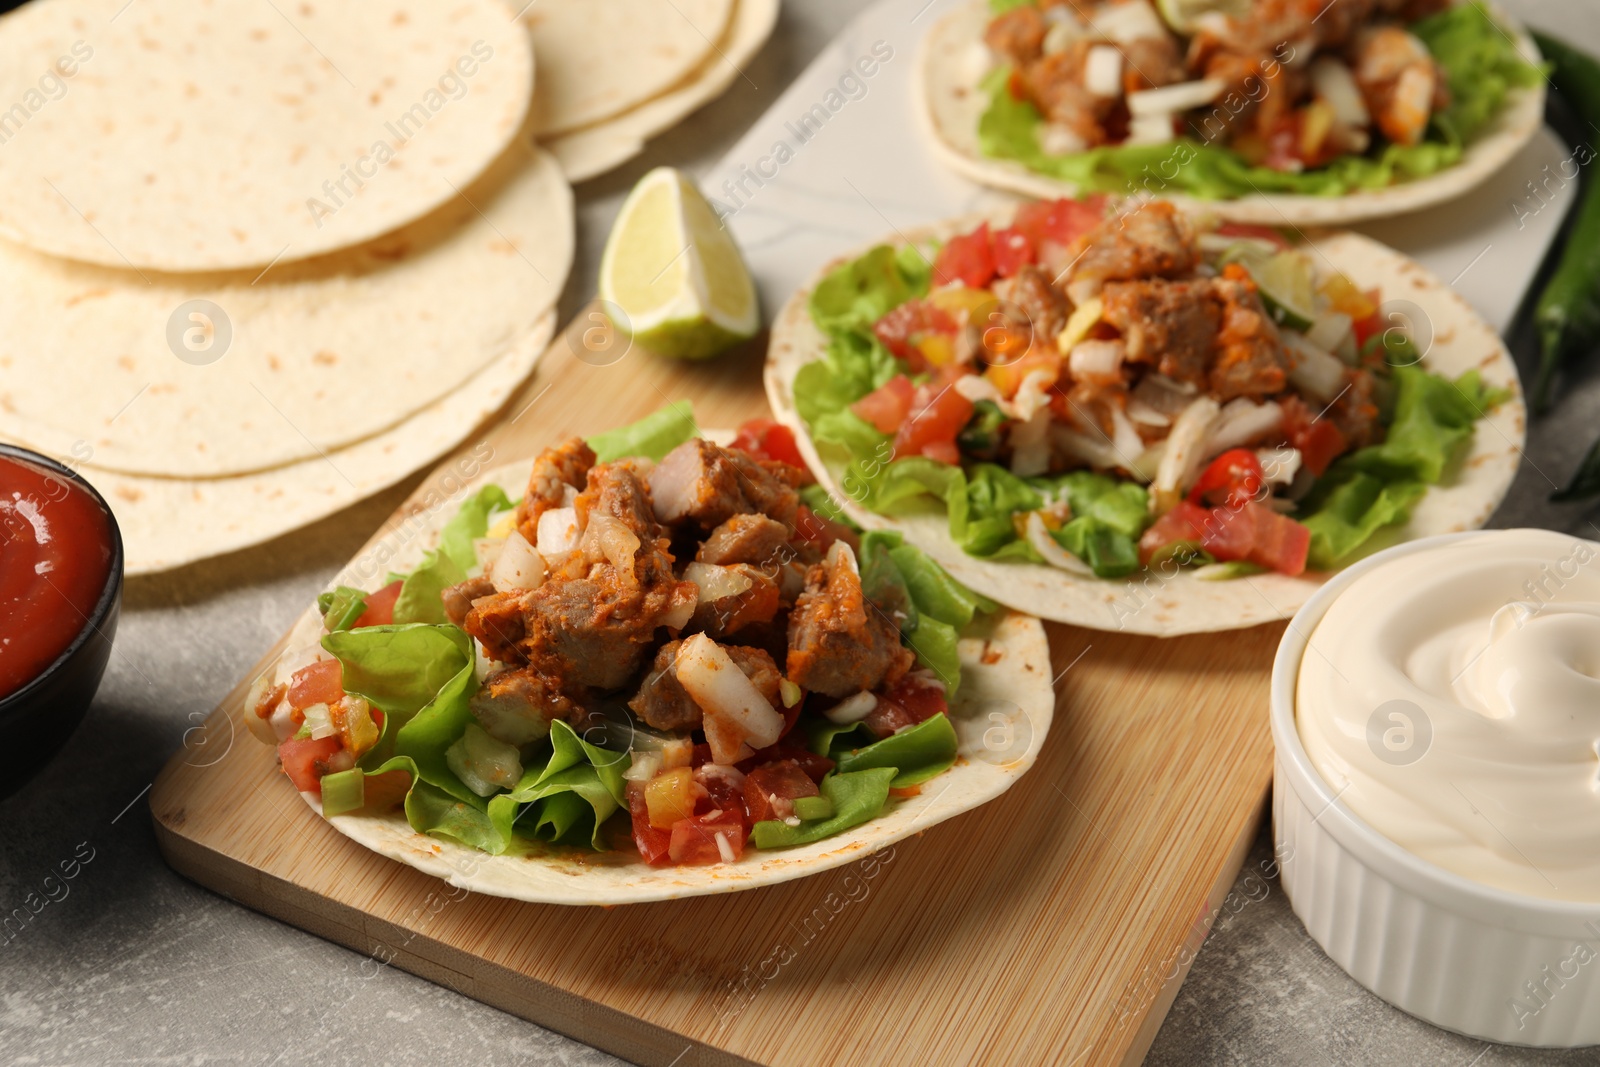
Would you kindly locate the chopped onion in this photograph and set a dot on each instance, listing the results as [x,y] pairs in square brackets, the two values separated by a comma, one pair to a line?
[678,616]
[716,582]
[1030,445]
[676,752]
[1124,23]
[1335,84]
[1062,31]
[724,849]
[1151,129]
[840,554]
[1102,71]
[1279,465]
[1183,453]
[735,711]
[976,387]
[1329,331]
[260,727]
[1172,98]
[1095,451]
[319,721]
[1056,139]
[1145,415]
[615,541]
[1096,359]
[643,767]
[707,771]
[1033,395]
[1241,422]
[789,692]
[518,568]
[558,531]
[1125,437]
[851,709]
[1039,537]
[1149,462]
[486,550]
[1314,372]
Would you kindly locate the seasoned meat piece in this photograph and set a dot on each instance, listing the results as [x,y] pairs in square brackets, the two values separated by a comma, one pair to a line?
[616,503]
[554,472]
[1154,240]
[1355,412]
[1031,293]
[1018,35]
[458,598]
[662,702]
[1055,85]
[730,614]
[744,539]
[1250,360]
[840,643]
[1151,63]
[702,483]
[499,622]
[517,705]
[1172,325]
[597,631]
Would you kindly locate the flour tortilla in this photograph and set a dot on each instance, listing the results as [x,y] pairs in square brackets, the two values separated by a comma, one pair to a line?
[1002,713]
[195,136]
[324,352]
[1182,603]
[954,59]
[598,58]
[589,152]
[171,522]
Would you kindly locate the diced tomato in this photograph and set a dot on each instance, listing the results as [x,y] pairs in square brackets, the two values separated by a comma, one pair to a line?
[1184,524]
[770,786]
[1229,534]
[1320,441]
[938,413]
[694,841]
[914,699]
[1281,544]
[1283,145]
[1007,377]
[1253,231]
[816,530]
[306,761]
[721,793]
[887,406]
[321,682]
[1233,478]
[968,259]
[815,766]
[1061,222]
[380,607]
[767,439]
[651,842]
[901,329]
[1013,250]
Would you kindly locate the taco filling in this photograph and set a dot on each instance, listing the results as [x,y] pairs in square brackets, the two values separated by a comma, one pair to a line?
[1104,391]
[1226,98]
[659,647]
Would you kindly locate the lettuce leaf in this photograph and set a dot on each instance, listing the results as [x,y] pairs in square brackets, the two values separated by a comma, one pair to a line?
[569,797]
[447,565]
[1478,58]
[652,436]
[925,751]
[1352,511]
[857,797]
[470,523]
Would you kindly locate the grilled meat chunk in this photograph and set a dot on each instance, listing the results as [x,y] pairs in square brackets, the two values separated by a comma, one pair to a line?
[517,705]
[1017,35]
[1041,303]
[555,471]
[839,642]
[1172,325]
[1154,240]
[1250,359]
[499,622]
[458,598]
[744,539]
[662,702]
[597,631]
[701,483]
[730,614]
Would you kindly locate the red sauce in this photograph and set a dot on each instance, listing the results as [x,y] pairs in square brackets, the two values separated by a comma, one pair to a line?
[55,556]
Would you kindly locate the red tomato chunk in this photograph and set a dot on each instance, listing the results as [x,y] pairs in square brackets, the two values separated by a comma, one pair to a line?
[380,606]
[717,837]
[771,789]
[319,683]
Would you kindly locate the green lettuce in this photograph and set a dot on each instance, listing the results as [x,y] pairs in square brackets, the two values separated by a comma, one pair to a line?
[857,797]
[652,436]
[342,607]
[925,751]
[447,565]
[1480,64]
[930,607]
[568,797]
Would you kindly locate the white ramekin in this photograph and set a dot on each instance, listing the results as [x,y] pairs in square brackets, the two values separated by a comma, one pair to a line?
[1434,944]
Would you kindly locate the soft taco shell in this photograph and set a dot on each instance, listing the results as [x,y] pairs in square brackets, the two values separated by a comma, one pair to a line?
[1183,604]
[598,58]
[591,151]
[170,522]
[1001,714]
[954,59]
[324,352]
[179,136]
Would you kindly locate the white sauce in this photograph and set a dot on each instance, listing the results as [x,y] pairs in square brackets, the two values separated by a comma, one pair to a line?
[1488,764]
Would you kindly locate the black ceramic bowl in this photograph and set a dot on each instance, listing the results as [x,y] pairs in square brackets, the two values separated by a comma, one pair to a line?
[37,719]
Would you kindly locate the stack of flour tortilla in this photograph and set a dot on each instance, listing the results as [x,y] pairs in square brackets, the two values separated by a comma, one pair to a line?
[259,261]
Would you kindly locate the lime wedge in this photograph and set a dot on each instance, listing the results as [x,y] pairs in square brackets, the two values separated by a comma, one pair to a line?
[1286,280]
[1184,15]
[673,271]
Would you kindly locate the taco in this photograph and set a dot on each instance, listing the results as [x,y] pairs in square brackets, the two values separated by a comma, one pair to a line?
[642,667]
[1277,111]
[1137,419]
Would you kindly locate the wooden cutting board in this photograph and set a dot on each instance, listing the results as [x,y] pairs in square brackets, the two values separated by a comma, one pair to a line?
[1053,925]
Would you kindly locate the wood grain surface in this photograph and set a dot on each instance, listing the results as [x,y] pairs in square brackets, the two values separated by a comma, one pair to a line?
[1053,925]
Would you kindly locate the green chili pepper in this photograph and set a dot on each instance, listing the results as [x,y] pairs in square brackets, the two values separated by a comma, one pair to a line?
[1567,315]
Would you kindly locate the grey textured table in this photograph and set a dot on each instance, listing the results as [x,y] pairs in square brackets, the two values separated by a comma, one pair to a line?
[129,963]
